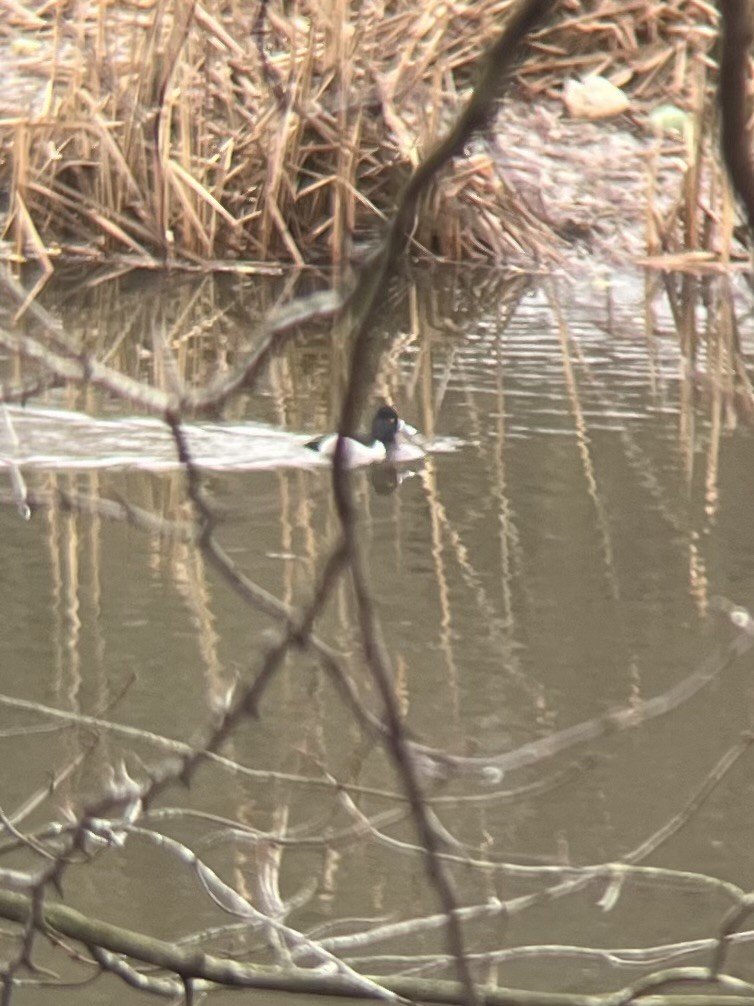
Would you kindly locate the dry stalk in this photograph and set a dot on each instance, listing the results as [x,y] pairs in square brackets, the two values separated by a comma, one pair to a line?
[205,131]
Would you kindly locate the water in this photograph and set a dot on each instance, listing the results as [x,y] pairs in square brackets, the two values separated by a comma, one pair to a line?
[554,559]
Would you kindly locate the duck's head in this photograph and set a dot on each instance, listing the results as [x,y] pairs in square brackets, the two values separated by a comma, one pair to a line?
[386,426]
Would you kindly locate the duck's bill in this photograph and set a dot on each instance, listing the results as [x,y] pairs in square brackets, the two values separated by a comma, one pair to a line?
[407,428]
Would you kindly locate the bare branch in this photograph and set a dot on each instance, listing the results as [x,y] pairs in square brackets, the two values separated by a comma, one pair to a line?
[736,136]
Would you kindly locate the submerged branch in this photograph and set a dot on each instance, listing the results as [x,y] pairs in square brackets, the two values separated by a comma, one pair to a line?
[203,969]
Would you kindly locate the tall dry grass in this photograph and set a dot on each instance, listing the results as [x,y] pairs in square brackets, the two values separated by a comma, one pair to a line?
[207,130]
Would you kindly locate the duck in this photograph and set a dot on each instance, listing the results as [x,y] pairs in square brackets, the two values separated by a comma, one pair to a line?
[383,443]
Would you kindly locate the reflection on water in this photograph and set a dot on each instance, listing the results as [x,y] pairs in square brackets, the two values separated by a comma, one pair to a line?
[64,440]
[556,564]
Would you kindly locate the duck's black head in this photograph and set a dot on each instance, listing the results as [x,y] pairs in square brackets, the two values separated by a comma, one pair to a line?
[385,425]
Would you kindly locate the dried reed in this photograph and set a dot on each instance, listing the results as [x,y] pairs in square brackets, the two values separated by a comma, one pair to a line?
[200,130]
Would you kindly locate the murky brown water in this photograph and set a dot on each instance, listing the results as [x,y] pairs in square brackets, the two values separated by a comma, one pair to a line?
[553,561]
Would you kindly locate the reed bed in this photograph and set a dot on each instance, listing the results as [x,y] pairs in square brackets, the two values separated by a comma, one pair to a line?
[212,131]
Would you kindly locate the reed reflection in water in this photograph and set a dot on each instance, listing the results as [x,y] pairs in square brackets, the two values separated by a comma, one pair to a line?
[555,565]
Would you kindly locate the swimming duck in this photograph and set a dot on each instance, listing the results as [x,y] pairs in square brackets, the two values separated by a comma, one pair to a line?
[383,443]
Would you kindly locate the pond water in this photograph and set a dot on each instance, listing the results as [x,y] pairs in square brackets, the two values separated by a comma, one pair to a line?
[556,556]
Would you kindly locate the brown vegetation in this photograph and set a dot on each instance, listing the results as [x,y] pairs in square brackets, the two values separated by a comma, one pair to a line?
[216,130]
